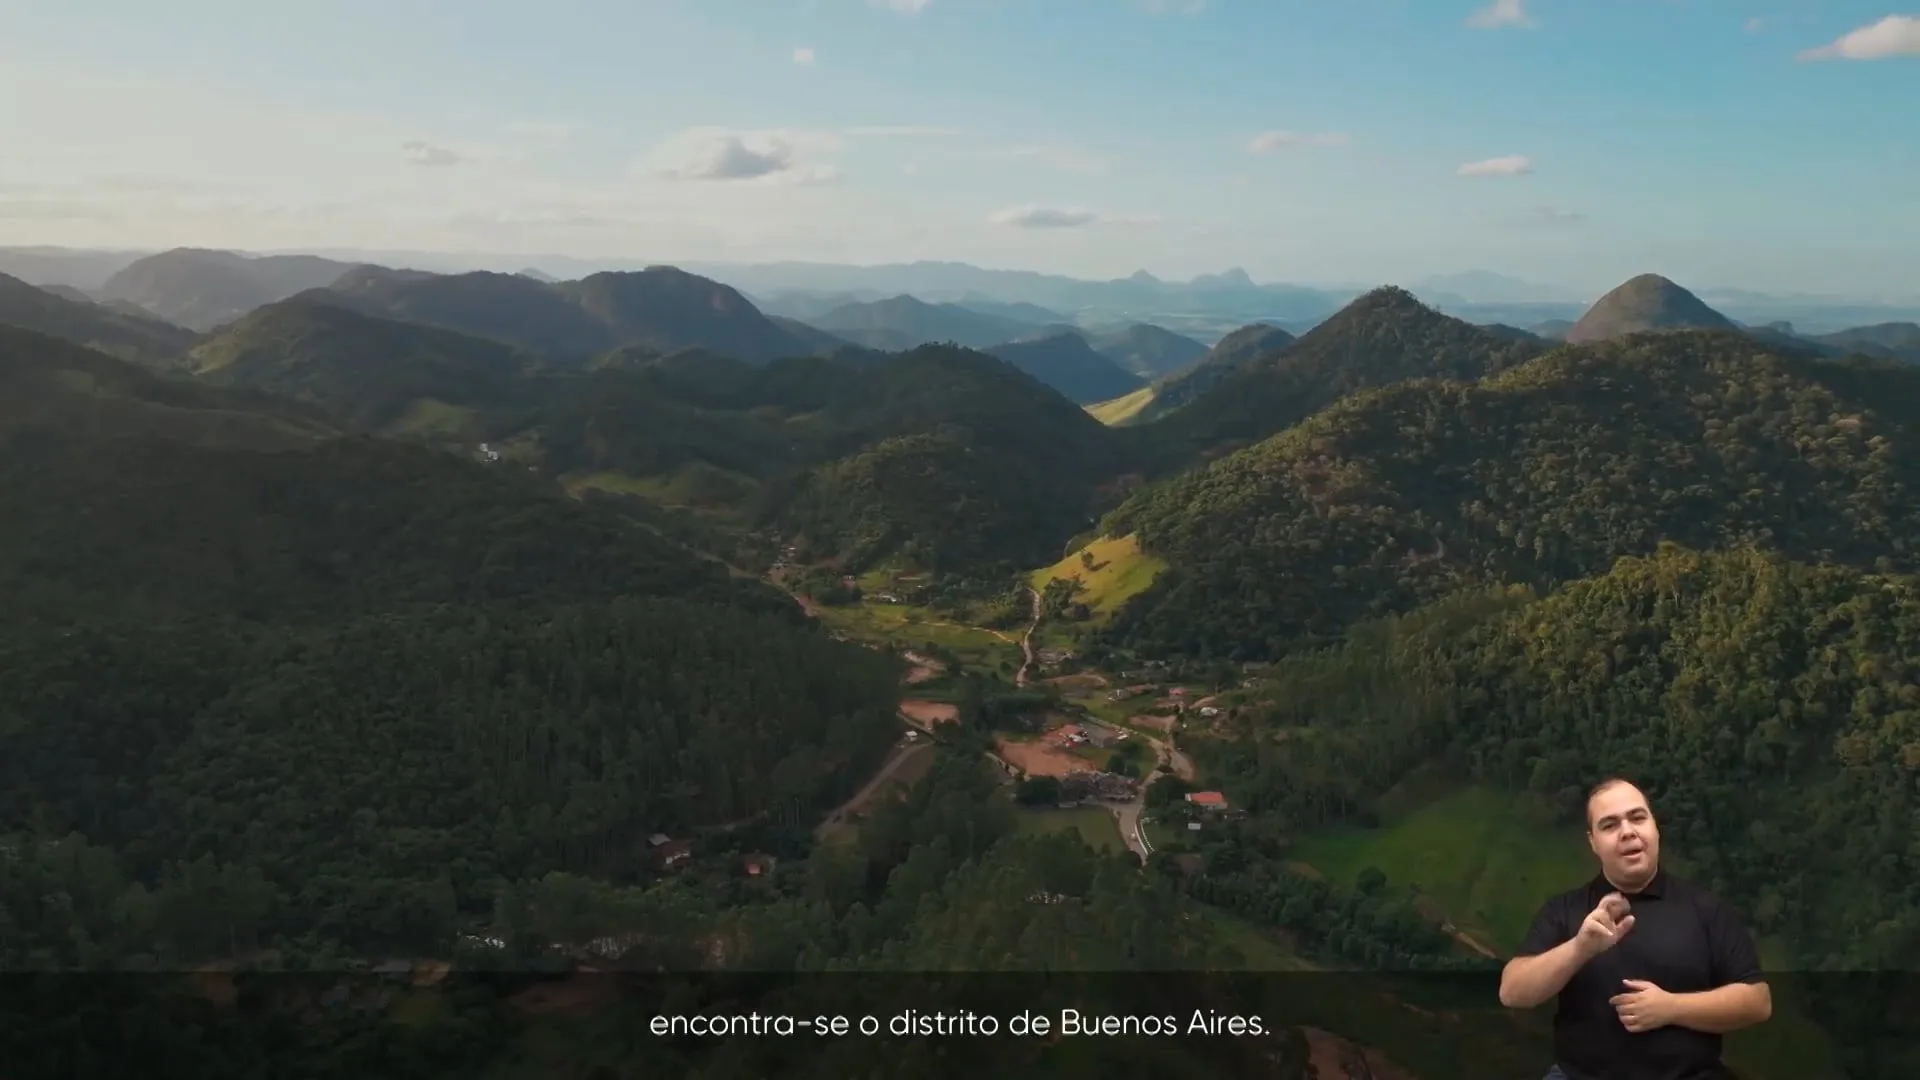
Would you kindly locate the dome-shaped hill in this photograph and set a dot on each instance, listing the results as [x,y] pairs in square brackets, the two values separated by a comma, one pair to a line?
[1647,302]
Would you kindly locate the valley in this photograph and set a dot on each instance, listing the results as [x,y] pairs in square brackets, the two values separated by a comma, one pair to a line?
[452,641]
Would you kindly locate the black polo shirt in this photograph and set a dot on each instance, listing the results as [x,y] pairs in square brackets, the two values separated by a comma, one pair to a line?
[1683,940]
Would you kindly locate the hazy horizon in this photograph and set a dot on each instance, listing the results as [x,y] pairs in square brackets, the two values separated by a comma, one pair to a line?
[1572,145]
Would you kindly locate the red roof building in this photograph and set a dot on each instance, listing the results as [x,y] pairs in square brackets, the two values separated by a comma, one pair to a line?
[1212,800]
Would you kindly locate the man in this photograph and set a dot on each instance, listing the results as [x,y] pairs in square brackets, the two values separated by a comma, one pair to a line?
[1650,970]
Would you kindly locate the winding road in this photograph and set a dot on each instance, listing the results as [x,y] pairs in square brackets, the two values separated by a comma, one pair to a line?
[1026,640]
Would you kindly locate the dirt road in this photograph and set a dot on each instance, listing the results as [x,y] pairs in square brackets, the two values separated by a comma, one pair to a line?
[1026,642]
[902,754]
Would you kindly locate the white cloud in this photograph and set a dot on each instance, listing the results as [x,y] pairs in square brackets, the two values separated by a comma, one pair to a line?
[421,153]
[1036,216]
[1032,216]
[1268,141]
[719,154]
[1501,13]
[803,56]
[1895,35]
[1758,23]
[1514,165]
[904,7]
[1173,7]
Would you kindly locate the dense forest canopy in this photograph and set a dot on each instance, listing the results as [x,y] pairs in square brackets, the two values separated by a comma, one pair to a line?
[357,684]
[1549,472]
[1766,705]
[284,682]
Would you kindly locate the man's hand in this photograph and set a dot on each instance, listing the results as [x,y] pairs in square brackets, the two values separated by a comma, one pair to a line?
[1644,1007]
[1605,925]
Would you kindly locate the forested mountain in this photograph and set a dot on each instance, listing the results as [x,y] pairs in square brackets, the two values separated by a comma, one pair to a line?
[1892,341]
[1066,362]
[1548,472]
[377,374]
[1228,355]
[148,340]
[201,289]
[1384,337]
[817,342]
[50,384]
[1148,351]
[1016,310]
[941,502]
[661,308]
[904,322]
[669,309]
[1647,302]
[339,690]
[1764,701]
[503,307]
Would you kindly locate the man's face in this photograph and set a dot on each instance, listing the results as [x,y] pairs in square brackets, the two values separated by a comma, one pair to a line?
[1621,830]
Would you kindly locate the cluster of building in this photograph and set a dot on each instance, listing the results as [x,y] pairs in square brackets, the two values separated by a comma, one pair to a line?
[1087,734]
[671,854]
[1087,785]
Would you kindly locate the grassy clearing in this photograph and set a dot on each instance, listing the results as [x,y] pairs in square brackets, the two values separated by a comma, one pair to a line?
[906,626]
[1470,851]
[1122,409]
[1094,825]
[1119,571]
[1258,949]
[432,417]
[697,485]
[611,481]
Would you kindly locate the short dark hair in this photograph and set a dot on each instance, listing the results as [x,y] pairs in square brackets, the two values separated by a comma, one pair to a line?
[1608,784]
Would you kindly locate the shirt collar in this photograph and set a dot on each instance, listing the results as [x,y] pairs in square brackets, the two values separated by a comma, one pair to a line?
[1653,890]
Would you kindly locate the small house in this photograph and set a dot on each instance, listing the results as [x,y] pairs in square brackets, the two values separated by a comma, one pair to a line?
[673,853]
[758,865]
[658,839]
[1208,800]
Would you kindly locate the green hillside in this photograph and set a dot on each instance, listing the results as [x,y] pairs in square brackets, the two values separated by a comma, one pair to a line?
[145,340]
[334,695]
[1382,338]
[48,384]
[377,374]
[1230,354]
[1549,472]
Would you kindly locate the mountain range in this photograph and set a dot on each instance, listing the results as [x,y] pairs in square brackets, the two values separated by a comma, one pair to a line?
[449,586]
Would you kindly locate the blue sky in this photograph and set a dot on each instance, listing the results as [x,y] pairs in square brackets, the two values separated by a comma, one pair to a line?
[1711,140]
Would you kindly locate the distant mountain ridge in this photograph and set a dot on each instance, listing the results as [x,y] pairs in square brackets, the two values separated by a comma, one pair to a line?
[1066,362]
[905,322]
[201,288]
[1385,337]
[1147,350]
[662,308]
[142,338]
